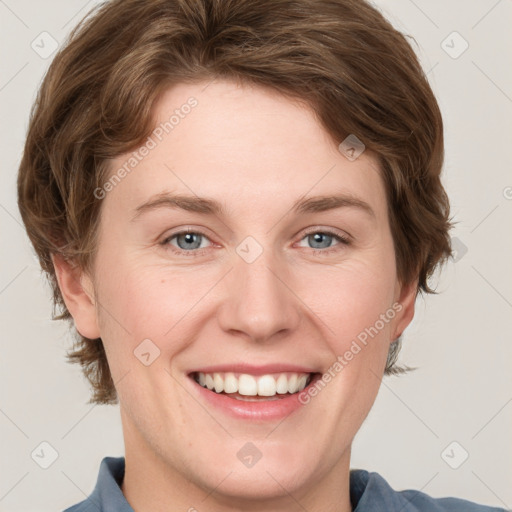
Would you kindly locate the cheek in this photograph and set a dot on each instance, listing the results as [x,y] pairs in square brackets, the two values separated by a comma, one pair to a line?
[138,304]
[352,298]
[141,300]
[137,316]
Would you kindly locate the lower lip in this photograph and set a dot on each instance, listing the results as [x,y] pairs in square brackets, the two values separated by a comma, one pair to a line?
[258,410]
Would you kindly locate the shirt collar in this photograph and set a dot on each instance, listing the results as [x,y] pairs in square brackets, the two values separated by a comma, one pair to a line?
[107,495]
[370,492]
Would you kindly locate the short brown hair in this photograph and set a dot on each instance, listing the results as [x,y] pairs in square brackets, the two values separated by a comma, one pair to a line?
[342,57]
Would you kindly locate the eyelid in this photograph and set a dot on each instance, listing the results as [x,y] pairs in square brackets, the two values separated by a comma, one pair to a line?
[329,231]
[183,231]
[344,239]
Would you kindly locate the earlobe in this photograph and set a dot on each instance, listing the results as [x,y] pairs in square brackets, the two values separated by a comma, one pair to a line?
[78,294]
[407,299]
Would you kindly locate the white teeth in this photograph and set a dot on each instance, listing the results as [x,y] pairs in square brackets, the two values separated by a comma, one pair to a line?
[282,384]
[302,381]
[292,383]
[218,382]
[209,381]
[230,383]
[249,385]
[267,386]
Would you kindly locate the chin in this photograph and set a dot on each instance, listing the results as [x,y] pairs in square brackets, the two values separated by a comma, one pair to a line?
[276,473]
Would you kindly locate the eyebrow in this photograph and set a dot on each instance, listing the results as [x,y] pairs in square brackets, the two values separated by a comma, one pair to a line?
[208,206]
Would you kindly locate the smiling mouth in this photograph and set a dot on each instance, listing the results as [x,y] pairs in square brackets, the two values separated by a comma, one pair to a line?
[251,388]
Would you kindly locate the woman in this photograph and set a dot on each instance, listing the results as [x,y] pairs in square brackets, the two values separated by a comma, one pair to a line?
[297,147]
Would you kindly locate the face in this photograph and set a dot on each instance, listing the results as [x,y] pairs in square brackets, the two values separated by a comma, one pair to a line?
[258,287]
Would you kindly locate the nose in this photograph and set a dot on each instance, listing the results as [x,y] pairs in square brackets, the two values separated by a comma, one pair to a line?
[258,303]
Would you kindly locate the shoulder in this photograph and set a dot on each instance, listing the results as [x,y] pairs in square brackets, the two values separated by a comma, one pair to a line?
[425,503]
[107,494]
[83,506]
[371,492]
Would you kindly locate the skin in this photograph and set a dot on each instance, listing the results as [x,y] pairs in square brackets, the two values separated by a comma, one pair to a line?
[257,152]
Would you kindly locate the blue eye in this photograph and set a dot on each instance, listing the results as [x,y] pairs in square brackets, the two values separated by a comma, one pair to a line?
[321,237]
[189,243]
[186,240]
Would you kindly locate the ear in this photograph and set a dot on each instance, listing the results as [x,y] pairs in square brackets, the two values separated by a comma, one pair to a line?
[78,294]
[405,295]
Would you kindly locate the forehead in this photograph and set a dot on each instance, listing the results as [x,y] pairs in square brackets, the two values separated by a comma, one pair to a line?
[241,143]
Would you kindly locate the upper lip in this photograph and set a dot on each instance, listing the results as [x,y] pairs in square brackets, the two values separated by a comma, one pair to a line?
[254,369]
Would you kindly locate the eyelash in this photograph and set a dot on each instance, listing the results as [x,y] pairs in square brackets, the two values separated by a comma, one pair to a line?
[199,252]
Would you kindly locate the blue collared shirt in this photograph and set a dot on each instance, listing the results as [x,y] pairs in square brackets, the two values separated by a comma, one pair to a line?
[369,492]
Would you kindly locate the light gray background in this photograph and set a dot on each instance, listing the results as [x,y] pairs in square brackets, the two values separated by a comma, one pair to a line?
[460,339]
